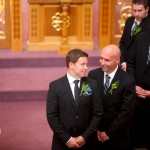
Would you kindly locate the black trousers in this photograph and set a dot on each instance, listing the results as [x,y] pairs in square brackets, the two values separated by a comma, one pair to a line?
[140,129]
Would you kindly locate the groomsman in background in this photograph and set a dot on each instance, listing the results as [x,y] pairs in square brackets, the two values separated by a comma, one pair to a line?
[139,67]
[134,25]
[117,91]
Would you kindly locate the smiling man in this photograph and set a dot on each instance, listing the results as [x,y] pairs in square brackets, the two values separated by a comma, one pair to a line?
[74,106]
[118,95]
[134,25]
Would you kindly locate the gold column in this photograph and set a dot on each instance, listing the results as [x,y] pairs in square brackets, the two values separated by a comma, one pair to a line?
[112,17]
[64,44]
[16,25]
[105,24]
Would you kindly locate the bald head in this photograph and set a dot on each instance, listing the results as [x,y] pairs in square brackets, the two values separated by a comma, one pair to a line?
[112,50]
[109,58]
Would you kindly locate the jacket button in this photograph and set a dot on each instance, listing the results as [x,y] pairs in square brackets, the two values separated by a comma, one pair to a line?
[77,117]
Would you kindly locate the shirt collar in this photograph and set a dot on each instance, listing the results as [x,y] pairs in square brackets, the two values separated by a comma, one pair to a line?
[71,79]
[111,74]
[138,22]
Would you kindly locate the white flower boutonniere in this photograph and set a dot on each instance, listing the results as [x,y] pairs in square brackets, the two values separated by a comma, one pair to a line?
[114,86]
[85,90]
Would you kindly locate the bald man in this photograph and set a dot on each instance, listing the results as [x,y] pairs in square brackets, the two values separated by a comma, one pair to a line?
[117,91]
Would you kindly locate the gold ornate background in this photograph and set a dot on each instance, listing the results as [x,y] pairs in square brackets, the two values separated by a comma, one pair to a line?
[112,16]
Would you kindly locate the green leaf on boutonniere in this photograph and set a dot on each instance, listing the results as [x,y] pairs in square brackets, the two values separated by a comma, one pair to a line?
[137,30]
[114,86]
[85,90]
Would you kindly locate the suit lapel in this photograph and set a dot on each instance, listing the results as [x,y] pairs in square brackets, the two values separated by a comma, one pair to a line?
[116,78]
[100,80]
[142,24]
[68,92]
[79,101]
[133,37]
[147,67]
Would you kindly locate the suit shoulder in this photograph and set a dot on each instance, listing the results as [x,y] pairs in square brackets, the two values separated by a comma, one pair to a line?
[58,81]
[130,19]
[88,80]
[126,77]
[147,18]
[94,70]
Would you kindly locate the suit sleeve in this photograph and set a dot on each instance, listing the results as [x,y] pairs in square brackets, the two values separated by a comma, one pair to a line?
[131,60]
[125,112]
[52,110]
[91,75]
[123,41]
[97,112]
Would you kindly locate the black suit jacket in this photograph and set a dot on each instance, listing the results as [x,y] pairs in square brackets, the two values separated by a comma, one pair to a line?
[118,106]
[127,41]
[67,120]
[138,66]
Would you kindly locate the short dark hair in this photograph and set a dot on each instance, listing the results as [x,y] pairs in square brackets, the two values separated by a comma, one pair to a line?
[141,2]
[74,55]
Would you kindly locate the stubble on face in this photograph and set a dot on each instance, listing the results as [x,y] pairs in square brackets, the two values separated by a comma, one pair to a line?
[79,69]
[139,12]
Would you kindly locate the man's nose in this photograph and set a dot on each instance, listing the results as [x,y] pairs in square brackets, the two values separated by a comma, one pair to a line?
[86,67]
[136,13]
[102,61]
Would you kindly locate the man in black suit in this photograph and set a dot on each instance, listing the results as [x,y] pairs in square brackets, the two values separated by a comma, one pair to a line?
[74,118]
[140,21]
[118,101]
[139,67]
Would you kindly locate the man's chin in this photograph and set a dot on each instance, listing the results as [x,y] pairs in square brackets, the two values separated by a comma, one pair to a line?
[139,19]
[83,75]
[103,69]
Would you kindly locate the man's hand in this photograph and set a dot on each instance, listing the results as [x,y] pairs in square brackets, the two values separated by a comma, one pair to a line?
[72,143]
[80,141]
[102,136]
[124,66]
[142,93]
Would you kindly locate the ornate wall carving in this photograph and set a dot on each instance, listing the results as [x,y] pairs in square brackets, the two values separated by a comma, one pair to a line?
[2,19]
[112,18]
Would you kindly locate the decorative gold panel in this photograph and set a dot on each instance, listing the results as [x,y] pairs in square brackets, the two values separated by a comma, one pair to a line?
[5,24]
[87,21]
[34,23]
[16,25]
[105,17]
[125,12]
[2,19]
[16,18]
[73,21]
[112,17]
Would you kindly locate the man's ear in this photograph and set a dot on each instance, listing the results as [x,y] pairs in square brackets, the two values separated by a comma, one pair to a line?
[71,65]
[118,60]
[147,9]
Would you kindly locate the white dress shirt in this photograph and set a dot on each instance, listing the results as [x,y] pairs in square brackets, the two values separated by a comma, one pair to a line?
[111,75]
[72,85]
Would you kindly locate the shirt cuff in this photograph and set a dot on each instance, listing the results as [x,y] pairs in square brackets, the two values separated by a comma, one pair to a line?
[68,140]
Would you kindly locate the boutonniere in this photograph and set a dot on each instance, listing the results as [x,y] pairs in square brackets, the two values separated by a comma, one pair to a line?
[137,30]
[114,86]
[85,90]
